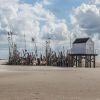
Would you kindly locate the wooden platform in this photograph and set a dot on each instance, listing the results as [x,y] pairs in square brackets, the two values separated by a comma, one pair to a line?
[78,60]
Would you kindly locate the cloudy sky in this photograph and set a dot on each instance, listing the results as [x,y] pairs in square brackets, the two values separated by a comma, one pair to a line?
[61,20]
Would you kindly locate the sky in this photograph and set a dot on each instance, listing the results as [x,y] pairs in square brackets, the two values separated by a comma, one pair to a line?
[61,20]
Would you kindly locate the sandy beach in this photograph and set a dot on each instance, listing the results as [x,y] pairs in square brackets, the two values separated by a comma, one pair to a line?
[49,83]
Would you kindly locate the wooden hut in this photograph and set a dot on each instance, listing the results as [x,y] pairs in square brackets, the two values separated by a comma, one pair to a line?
[83,48]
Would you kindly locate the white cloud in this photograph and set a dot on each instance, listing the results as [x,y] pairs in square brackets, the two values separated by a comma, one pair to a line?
[56,30]
[97,1]
[94,2]
[33,21]
[25,18]
[46,2]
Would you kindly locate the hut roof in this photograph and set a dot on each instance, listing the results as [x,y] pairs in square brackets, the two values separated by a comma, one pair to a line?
[81,40]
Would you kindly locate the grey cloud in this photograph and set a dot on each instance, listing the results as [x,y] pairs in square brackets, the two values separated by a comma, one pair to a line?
[87,17]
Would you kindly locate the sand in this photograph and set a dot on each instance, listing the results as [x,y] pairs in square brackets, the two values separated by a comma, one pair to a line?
[49,83]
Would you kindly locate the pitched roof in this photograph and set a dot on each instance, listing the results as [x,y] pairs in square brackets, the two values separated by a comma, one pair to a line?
[81,40]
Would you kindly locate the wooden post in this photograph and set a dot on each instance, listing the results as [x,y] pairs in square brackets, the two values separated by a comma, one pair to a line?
[76,61]
[90,61]
[94,61]
[72,63]
[80,61]
[85,61]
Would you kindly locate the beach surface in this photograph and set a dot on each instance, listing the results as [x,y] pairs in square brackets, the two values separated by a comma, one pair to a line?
[49,83]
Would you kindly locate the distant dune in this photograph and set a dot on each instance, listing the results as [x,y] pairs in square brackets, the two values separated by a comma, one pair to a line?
[3,61]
